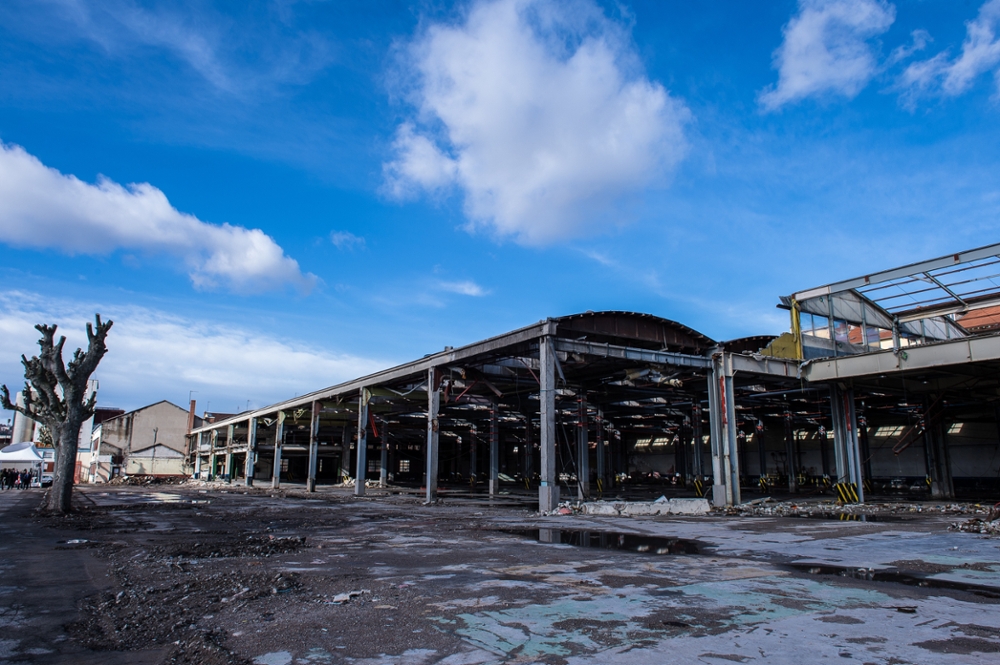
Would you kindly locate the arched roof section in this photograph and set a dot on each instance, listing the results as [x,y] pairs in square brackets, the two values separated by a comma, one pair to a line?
[633,329]
[751,344]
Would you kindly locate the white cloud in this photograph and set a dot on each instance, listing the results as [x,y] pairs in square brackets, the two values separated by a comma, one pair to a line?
[826,50]
[464,288]
[42,208]
[980,54]
[233,57]
[153,355]
[344,240]
[539,113]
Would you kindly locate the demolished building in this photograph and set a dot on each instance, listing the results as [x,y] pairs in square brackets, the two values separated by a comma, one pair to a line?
[877,386]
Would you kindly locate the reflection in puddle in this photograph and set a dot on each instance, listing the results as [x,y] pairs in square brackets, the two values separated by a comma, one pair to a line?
[609,540]
[854,517]
[897,576]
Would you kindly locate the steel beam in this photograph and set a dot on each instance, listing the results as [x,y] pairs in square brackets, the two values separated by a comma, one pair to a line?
[630,353]
[416,368]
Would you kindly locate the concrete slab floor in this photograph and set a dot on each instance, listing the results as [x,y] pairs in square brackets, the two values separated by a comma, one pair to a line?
[177,574]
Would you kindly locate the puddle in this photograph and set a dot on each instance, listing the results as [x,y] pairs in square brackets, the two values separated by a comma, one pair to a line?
[850,517]
[610,540]
[899,577]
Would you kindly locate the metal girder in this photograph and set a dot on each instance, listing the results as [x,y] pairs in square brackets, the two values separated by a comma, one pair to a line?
[413,369]
[631,353]
[928,356]
[903,271]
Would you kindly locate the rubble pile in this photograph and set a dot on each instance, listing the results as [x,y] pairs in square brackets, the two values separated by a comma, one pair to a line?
[144,481]
[989,525]
[769,508]
[243,546]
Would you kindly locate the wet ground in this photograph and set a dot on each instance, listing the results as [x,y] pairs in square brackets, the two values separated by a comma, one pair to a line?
[185,574]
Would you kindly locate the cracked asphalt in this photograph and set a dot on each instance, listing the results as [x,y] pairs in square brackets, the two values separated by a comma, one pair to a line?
[196,574]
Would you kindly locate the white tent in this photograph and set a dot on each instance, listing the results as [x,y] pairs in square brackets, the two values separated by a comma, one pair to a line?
[24,457]
[20,453]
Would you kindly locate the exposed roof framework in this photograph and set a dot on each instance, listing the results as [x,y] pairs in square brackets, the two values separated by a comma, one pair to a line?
[913,304]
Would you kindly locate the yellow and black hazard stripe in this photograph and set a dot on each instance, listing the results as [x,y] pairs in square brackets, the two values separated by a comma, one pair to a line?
[765,485]
[699,487]
[846,492]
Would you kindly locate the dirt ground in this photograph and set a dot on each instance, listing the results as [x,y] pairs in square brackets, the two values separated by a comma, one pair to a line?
[190,574]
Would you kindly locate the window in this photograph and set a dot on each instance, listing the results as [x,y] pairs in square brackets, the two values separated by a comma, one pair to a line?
[284,465]
[404,466]
[374,465]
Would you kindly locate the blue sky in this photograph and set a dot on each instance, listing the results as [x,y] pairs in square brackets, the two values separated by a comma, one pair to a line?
[274,199]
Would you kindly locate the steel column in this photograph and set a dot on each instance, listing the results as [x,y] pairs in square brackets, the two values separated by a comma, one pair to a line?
[197,457]
[698,468]
[792,462]
[251,451]
[279,436]
[715,427]
[602,466]
[729,404]
[548,490]
[313,446]
[361,450]
[473,462]
[383,472]
[433,432]
[494,449]
[582,449]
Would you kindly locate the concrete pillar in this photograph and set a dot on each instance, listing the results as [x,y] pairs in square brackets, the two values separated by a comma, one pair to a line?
[548,491]
[383,472]
[361,451]
[582,448]
[313,446]
[279,438]
[251,451]
[433,431]
[345,453]
[494,449]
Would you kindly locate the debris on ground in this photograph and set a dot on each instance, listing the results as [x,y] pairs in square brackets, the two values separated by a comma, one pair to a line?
[143,481]
[768,508]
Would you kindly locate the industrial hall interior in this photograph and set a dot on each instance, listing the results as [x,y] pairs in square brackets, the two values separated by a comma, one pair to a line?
[888,383]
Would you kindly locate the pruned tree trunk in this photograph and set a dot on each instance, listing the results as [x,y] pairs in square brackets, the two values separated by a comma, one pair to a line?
[57,396]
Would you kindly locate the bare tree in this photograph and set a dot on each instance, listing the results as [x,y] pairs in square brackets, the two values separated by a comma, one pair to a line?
[56,396]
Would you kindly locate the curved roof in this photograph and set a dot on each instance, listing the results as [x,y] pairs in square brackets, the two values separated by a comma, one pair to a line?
[644,330]
[751,344]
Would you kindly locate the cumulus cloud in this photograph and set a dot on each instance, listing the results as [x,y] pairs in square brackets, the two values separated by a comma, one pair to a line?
[538,113]
[154,355]
[952,77]
[43,208]
[826,50]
